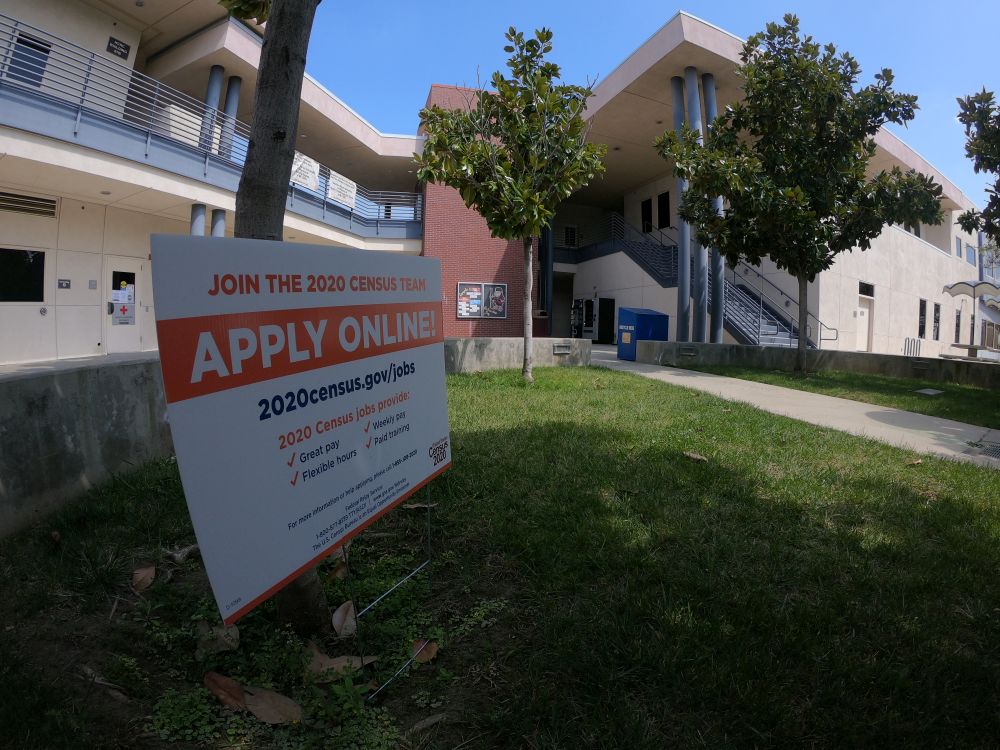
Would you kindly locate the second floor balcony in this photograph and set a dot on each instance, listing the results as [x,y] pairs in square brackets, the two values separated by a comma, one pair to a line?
[56,89]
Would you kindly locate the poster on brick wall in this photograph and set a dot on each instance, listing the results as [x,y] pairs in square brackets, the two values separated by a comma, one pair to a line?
[469,301]
[494,300]
[305,394]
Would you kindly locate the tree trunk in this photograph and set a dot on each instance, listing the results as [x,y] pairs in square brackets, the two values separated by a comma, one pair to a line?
[260,200]
[260,211]
[800,359]
[528,319]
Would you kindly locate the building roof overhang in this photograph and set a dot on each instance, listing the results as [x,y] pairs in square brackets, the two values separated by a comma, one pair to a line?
[632,106]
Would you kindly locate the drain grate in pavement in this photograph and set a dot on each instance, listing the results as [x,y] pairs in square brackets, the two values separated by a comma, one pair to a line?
[987,448]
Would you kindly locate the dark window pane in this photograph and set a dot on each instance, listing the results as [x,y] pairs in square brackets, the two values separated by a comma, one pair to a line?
[937,322]
[958,326]
[922,320]
[663,210]
[27,62]
[647,215]
[22,276]
[866,289]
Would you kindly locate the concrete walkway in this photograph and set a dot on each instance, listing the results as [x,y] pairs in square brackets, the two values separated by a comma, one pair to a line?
[904,429]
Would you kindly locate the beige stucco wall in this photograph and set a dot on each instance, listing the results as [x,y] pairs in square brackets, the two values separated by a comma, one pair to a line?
[904,270]
[77,244]
[651,190]
[75,22]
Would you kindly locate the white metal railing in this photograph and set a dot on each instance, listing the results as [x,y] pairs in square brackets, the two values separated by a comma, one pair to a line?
[34,60]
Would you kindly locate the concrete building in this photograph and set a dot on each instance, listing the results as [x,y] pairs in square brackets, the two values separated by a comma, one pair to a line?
[119,119]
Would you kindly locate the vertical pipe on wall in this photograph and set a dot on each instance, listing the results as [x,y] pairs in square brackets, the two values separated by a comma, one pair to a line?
[545,249]
[218,222]
[699,282]
[684,238]
[198,219]
[718,262]
[229,109]
[212,93]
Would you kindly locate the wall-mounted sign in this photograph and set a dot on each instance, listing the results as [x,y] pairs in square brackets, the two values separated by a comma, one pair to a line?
[118,48]
[305,394]
[305,171]
[123,314]
[64,283]
[469,300]
[477,299]
[494,300]
[341,190]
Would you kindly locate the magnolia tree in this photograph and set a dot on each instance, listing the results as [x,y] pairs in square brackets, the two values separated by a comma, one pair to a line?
[980,114]
[791,162]
[516,152]
[263,191]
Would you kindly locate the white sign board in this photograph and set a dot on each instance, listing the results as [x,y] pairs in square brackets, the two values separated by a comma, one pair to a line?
[305,394]
[341,190]
[305,171]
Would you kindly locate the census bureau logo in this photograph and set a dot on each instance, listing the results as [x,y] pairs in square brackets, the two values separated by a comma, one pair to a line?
[439,451]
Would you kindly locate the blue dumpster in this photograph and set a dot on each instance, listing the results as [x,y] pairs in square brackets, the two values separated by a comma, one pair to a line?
[639,324]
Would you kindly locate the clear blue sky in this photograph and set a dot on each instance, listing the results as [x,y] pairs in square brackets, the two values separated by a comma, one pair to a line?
[381,58]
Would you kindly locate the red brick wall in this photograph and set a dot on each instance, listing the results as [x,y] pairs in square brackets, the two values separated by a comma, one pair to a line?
[459,237]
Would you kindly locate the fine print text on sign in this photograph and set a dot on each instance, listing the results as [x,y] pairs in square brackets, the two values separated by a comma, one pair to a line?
[305,393]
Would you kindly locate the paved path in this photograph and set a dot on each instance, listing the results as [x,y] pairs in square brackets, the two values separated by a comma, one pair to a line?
[905,429]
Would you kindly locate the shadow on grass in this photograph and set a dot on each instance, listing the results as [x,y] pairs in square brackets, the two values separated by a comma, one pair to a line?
[674,602]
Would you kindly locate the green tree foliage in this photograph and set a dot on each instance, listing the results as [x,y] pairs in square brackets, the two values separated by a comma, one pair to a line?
[791,161]
[248,10]
[516,152]
[980,114]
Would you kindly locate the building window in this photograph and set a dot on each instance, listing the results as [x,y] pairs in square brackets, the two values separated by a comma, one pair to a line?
[27,62]
[865,289]
[936,329]
[663,210]
[970,255]
[922,320]
[972,327]
[570,237]
[647,215]
[22,276]
[958,326]
[958,246]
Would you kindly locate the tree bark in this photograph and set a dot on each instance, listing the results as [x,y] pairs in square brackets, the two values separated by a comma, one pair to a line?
[260,212]
[528,319]
[263,191]
[800,358]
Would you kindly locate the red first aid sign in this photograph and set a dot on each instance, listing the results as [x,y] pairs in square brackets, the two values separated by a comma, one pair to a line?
[305,394]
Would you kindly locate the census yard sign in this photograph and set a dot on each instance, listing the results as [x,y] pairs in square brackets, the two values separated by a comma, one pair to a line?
[305,393]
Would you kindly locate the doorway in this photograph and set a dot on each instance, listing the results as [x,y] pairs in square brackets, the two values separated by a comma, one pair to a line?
[864,323]
[123,290]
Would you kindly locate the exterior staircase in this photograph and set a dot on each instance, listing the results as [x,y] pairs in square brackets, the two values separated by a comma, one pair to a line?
[752,316]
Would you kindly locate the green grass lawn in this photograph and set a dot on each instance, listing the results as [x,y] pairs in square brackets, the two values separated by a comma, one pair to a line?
[594,587]
[963,403]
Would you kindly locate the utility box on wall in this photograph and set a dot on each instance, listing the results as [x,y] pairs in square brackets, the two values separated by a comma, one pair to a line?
[639,324]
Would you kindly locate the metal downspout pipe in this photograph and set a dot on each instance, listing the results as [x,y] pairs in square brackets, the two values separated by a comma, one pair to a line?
[197,219]
[684,234]
[212,93]
[218,222]
[718,262]
[229,110]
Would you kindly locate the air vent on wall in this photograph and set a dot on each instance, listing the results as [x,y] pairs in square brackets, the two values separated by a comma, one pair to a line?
[28,204]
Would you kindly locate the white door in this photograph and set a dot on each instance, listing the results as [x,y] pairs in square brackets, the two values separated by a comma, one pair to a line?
[864,324]
[123,284]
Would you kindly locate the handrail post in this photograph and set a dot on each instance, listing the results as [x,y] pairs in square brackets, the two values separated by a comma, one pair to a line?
[83,94]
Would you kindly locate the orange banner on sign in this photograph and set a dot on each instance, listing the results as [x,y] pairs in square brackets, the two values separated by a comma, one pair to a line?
[217,352]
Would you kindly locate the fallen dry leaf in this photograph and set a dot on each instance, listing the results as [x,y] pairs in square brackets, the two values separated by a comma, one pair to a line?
[915,462]
[424,650]
[695,456]
[180,555]
[325,668]
[344,621]
[142,578]
[271,707]
[216,639]
[425,724]
[339,570]
[226,689]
